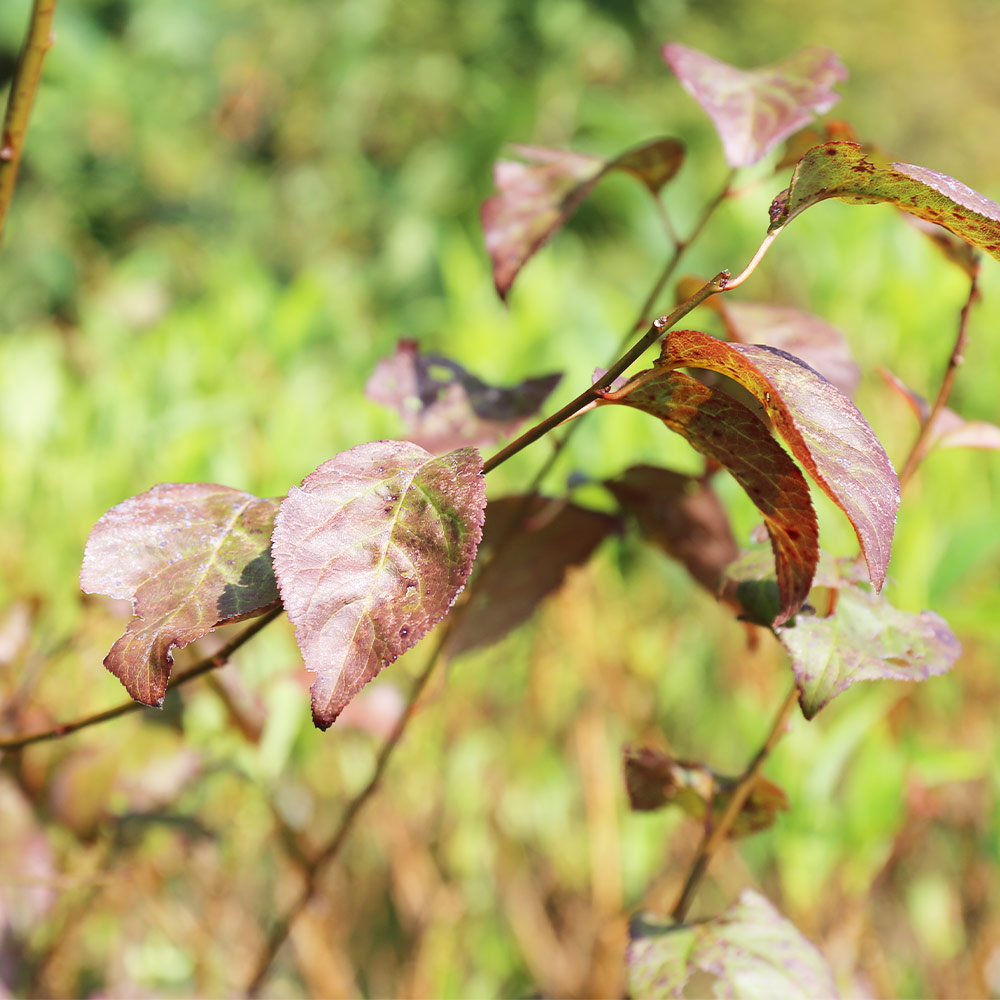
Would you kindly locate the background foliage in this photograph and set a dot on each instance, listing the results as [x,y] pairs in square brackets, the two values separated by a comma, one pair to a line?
[227,214]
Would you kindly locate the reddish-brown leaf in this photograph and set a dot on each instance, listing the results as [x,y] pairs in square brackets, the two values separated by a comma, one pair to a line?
[654,779]
[729,433]
[370,553]
[800,143]
[823,429]
[949,430]
[528,546]
[754,110]
[189,556]
[845,171]
[807,337]
[683,516]
[535,198]
[444,407]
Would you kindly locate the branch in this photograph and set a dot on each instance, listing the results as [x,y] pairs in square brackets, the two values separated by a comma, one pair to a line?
[715,835]
[280,930]
[923,443]
[22,95]
[201,667]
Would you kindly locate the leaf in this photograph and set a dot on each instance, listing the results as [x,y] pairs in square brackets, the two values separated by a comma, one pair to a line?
[961,254]
[729,433]
[861,638]
[864,639]
[444,407]
[528,546]
[750,952]
[950,430]
[823,429]
[800,143]
[654,780]
[534,199]
[370,553]
[683,516]
[754,110]
[806,337]
[189,556]
[843,170]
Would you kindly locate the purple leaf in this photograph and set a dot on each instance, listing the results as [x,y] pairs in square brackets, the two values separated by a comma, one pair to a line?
[750,950]
[444,407]
[654,779]
[534,199]
[729,433]
[807,337]
[823,429]
[189,556]
[754,110]
[683,516]
[370,553]
[843,170]
[528,546]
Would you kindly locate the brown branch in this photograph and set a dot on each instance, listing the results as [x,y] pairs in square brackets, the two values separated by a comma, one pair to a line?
[716,833]
[22,95]
[280,931]
[922,445]
[196,670]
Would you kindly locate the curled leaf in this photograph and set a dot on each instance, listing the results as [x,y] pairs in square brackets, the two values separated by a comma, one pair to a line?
[529,545]
[754,110]
[535,198]
[654,779]
[445,407]
[845,171]
[189,556]
[750,952]
[683,516]
[370,553]
[727,432]
[823,429]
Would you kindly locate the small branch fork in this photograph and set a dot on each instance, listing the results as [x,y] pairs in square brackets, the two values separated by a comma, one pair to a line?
[922,445]
[22,95]
[716,833]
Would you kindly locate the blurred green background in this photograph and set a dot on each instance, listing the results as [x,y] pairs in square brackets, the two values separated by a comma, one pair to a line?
[227,213]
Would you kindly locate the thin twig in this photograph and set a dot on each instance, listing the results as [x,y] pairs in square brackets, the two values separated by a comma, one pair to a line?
[922,445]
[23,88]
[203,666]
[717,833]
[280,930]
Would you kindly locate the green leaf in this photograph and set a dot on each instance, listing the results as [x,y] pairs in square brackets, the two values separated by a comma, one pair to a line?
[843,170]
[823,429]
[535,199]
[729,433]
[683,516]
[749,952]
[754,110]
[189,556]
[370,553]
[528,546]
[654,780]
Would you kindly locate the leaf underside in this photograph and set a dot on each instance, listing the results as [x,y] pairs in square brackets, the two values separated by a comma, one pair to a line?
[529,545]
[189,556]
[729,433]
[823,430]
[444,407]
[370,553]
[534,199]
[749,952]
[754,110]
[844,171]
